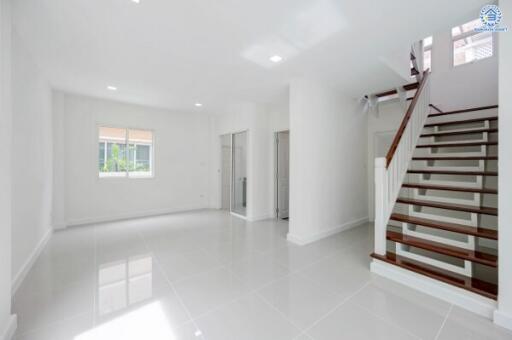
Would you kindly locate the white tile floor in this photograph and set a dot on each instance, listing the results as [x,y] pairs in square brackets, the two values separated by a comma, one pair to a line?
[207,275]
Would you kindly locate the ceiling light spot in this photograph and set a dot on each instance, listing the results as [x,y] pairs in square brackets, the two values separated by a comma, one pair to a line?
[111,88]
[276,59]
[136,1]
[198,104]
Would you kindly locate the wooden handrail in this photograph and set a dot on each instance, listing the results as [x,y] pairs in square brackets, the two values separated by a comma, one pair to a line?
[407,87]
[436,108]
[480,108]
[406,119]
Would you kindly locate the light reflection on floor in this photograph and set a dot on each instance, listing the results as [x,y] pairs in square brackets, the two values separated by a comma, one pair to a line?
[211,276]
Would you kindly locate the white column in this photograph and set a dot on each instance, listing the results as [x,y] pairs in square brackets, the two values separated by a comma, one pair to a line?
[503,316]
[380,206]
[7,321]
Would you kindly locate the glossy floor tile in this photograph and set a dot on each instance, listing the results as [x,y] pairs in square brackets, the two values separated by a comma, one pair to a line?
[207,275]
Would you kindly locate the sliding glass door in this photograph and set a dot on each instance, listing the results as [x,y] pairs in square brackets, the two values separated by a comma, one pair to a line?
[239,185]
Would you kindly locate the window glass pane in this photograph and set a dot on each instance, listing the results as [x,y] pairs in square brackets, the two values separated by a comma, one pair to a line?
[112,161]
[427,42]
[467,27]
[116,157]
[101,156]
[427,60]
[140,152]
[143,158]
[475,47]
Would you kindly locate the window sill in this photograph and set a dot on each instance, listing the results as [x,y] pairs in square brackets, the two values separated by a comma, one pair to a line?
[121,177]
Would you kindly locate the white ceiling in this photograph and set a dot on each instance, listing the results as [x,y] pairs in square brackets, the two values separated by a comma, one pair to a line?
[171,53]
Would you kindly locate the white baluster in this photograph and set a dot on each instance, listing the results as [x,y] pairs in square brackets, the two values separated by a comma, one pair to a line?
[381,205]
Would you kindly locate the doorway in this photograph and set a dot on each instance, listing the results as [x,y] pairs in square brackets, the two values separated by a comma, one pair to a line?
[234,173]
[282,140]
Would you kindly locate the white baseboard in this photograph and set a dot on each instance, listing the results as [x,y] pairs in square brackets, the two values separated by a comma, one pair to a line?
[239,216]
[25,268]
[260,217]
[10,328]
[465,299]
[502,319]
[301,241]
[129,216]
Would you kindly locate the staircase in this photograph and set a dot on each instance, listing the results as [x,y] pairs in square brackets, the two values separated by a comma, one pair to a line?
[436,196]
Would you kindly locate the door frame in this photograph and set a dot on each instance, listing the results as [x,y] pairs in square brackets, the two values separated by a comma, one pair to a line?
[231,187]
[276,172]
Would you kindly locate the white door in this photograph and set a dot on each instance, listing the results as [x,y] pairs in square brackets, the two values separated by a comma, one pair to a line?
[283,173]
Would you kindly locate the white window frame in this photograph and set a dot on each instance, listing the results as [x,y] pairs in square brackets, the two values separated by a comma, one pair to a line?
[126,174]
[428,48]
[464,36]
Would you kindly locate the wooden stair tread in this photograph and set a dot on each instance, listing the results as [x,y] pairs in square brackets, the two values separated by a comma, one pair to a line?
[449,188]
[473,109]
[489,290]
[450,206]
[453,133]
[453,227]
[448,145]
[456,158]
[440,248]
[454,172]
[456,122]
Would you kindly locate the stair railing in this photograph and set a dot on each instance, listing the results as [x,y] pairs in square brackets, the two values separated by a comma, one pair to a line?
[390,171]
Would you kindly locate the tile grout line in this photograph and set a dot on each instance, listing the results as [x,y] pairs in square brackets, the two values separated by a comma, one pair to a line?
[182,303]
[235,299]
[388,322]
[444,322]
[290,273]
[262,299]
[304,332]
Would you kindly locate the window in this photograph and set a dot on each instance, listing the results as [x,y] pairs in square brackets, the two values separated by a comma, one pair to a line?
[469,45]
[125,152]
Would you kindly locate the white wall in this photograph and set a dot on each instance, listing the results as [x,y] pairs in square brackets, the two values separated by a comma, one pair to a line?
[504,314]
[328,181]
[7,321]
[254,119]
[384,123]
[452,88]
[181,158]
[279,112]
[463,86]
[279,120]
[31,159]
[261,121]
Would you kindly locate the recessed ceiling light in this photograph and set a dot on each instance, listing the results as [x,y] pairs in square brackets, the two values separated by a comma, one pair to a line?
[276,59]
[111,88]
[136,1]
[198,104]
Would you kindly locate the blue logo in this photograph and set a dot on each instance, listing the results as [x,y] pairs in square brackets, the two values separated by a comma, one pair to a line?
[491,16]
